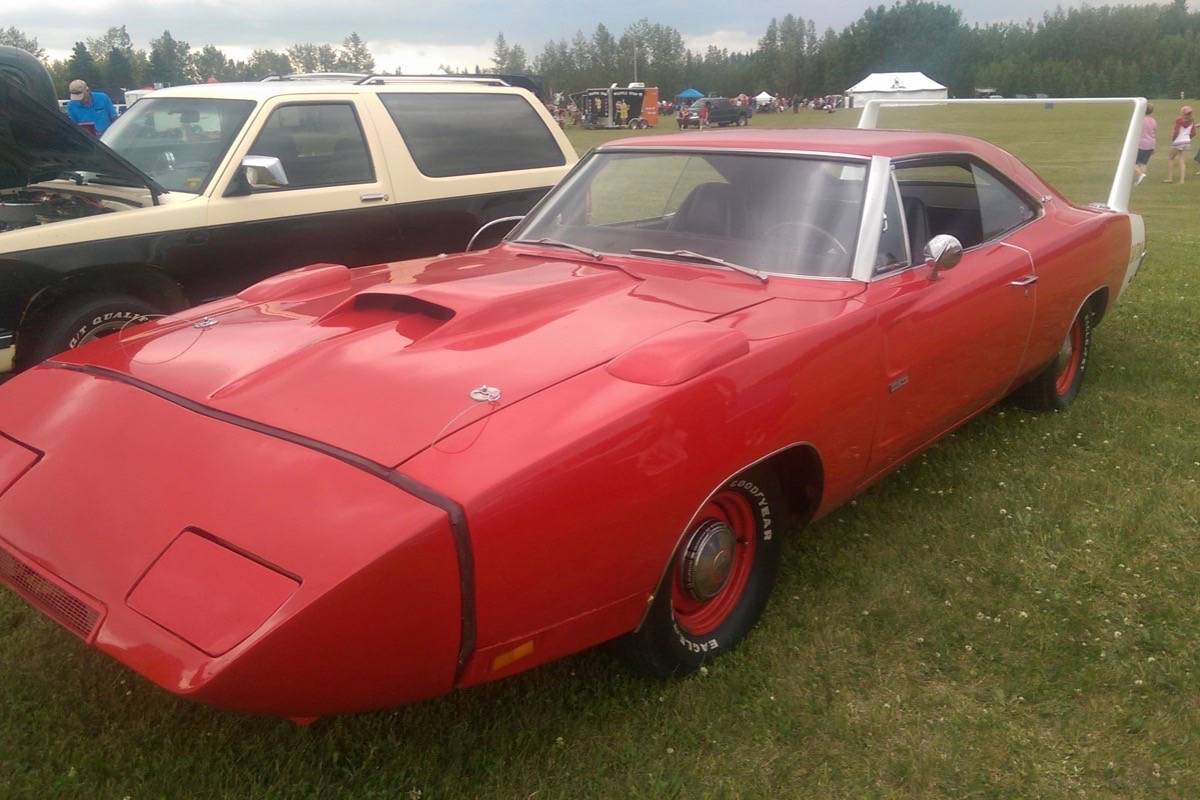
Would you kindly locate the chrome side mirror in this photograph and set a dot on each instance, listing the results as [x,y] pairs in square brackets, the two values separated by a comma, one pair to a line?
[945,251]
[496,223]
[264,172]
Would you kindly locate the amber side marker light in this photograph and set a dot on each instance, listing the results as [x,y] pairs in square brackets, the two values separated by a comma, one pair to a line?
[516,654]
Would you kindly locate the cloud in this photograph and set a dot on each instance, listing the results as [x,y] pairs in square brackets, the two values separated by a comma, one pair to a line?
[417,33]
[733,41]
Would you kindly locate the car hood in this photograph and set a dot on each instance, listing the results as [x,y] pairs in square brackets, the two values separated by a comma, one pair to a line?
[382,361]
[39,144]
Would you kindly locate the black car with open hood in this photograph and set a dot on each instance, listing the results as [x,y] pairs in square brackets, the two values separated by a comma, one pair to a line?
[196,192]
[38,144]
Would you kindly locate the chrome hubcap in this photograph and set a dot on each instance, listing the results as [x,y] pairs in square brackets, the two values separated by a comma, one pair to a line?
[708,560]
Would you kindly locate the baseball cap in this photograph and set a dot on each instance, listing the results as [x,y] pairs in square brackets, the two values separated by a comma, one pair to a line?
[77,88]
[1185,110]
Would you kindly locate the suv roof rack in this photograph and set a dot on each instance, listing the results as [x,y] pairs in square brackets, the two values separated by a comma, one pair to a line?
[344,77]
[375,80]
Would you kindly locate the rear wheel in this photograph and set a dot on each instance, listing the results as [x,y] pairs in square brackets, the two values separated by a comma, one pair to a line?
[1055,387]
[718,582]
[81,320]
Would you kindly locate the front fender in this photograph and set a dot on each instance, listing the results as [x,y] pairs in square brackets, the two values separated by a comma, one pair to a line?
[577,495]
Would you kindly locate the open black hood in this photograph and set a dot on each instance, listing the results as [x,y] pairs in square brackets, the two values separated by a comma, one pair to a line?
[38,144]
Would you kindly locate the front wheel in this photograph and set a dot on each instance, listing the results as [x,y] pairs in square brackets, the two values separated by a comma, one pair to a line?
[718,581]
[82,320]
[1056,386]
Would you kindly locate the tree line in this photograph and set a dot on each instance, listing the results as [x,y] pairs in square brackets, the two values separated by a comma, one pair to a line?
[1151,50]
[112,62]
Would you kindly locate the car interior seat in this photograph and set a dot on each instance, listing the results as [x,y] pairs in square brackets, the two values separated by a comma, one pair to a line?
[715,209]
[916,215]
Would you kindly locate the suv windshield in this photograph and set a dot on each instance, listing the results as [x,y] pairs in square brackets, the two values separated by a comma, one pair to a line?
[178,142]
[781,214]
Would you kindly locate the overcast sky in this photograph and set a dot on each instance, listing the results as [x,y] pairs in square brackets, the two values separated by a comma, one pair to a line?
[417,36]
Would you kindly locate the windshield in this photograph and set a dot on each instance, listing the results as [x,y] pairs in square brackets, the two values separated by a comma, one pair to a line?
[781,214]
[178,142]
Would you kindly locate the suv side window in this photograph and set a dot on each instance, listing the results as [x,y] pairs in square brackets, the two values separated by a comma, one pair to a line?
[319,144]
[962,199]
[467,133]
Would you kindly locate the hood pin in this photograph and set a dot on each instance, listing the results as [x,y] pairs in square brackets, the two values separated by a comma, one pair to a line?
[485,394]
[207,322]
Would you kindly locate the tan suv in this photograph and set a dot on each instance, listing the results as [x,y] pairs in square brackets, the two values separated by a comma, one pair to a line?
[198,191]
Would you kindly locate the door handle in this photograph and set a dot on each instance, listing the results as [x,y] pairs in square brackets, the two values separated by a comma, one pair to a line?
[372,198]
[1028,280]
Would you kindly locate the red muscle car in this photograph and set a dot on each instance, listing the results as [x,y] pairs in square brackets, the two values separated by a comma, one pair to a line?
[346,489]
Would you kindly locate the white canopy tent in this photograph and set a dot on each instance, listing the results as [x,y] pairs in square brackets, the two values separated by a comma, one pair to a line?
[763,97]
[895,86]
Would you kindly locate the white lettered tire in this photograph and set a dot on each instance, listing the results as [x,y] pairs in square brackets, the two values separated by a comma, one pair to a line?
[79,321]
[717,584]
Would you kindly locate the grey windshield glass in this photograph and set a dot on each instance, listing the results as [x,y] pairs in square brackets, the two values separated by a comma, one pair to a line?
[178,141]
[780,214]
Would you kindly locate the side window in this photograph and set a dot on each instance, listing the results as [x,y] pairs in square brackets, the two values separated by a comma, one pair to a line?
[319,144]
[468,134]
[892,246]
[961,199]
[1000,208]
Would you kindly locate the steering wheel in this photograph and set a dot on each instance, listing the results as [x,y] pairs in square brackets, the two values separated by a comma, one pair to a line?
[806,226]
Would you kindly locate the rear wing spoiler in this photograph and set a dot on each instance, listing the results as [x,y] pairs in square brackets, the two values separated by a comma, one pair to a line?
[1122,185]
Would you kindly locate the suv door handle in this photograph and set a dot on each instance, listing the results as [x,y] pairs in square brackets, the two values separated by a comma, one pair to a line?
[372,198]
[1026,281]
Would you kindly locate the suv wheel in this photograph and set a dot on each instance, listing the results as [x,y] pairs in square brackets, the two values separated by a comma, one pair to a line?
[81,320]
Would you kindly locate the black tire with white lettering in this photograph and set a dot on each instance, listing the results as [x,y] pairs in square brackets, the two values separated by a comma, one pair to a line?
[718,582]
[1057,386]
[79,321]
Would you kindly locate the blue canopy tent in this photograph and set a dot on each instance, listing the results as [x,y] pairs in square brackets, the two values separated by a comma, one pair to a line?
[689,94]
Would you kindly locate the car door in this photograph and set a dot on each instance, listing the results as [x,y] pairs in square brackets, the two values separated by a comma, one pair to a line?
[953,339]
[333,207]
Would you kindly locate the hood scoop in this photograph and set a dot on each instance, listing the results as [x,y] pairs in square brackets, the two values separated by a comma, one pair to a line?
[413,317]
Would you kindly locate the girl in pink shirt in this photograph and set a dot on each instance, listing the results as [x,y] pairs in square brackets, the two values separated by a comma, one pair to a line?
[1181,141]
[1146,143]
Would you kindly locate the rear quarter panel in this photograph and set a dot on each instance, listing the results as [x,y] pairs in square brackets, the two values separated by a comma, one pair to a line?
[1076,253]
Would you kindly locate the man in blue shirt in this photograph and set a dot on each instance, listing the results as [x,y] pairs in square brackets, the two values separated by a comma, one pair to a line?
[90,108]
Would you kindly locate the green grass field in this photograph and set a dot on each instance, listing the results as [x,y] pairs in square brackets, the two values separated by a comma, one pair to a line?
[1014,614]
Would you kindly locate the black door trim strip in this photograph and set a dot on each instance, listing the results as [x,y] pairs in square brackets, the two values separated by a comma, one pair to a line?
[455,512]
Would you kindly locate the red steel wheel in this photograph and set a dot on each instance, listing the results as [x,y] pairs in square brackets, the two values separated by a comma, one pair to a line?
[718,580]
[712,569]
[1056,386]
[1069,359]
